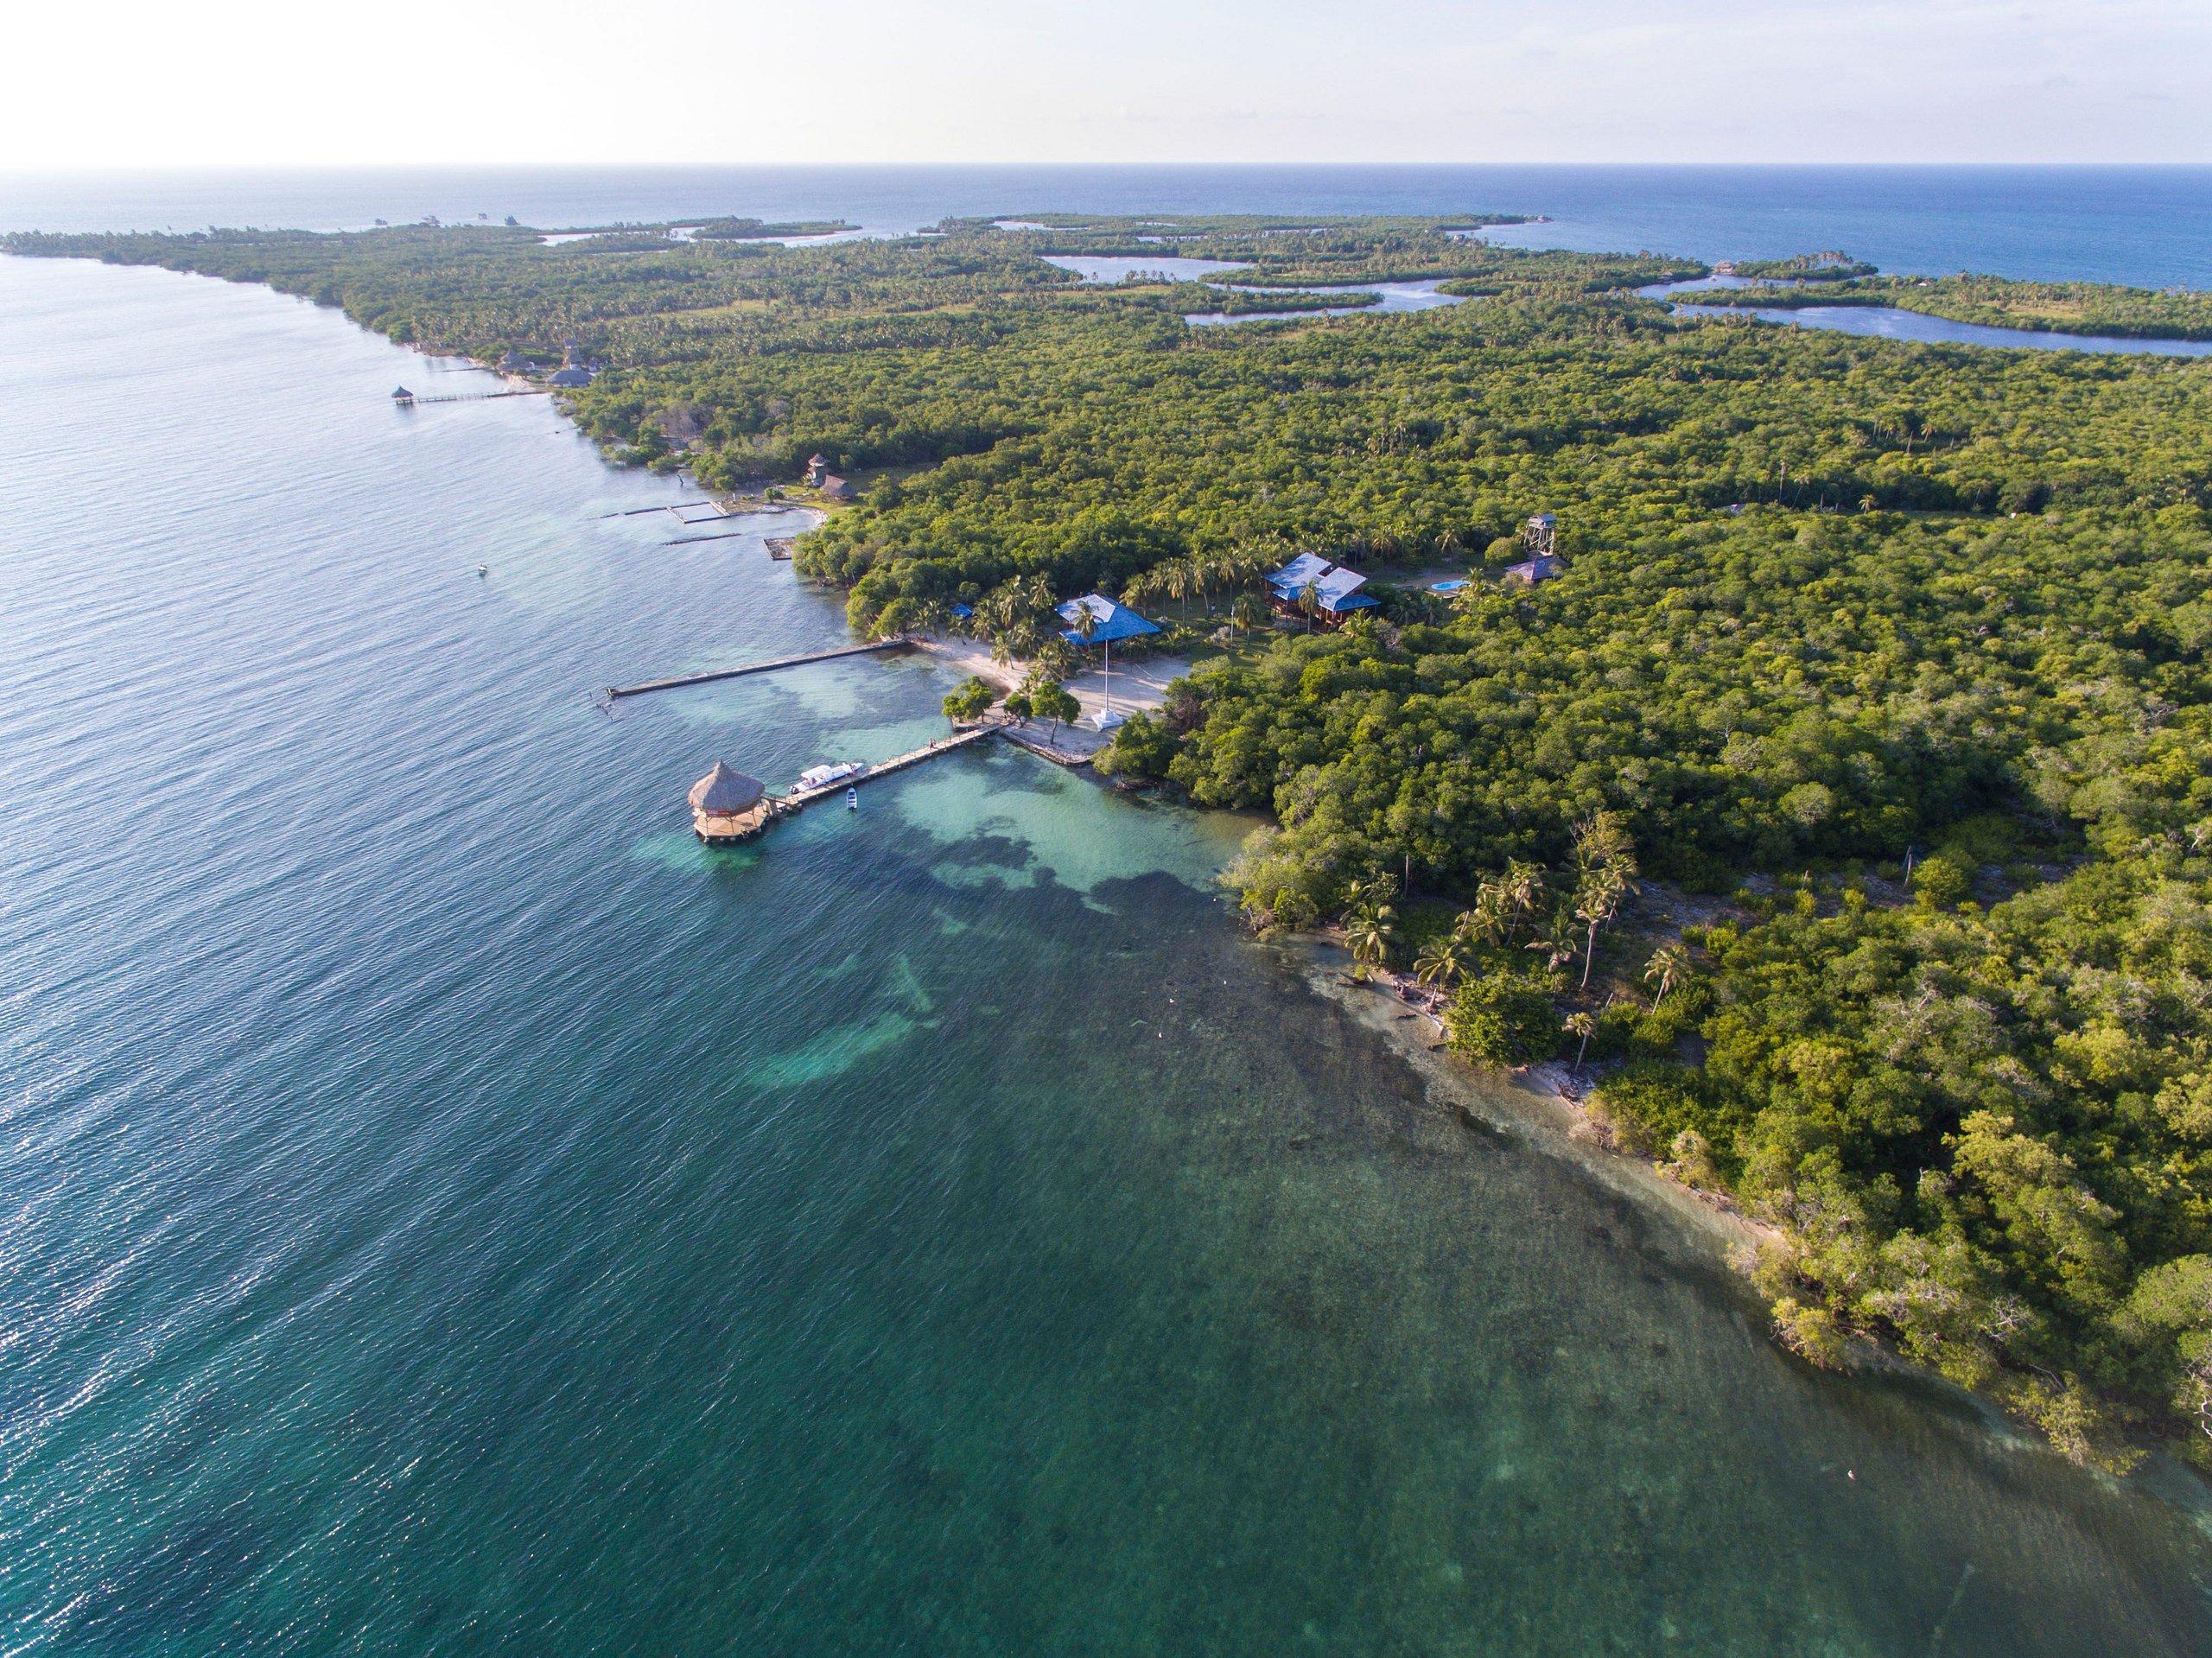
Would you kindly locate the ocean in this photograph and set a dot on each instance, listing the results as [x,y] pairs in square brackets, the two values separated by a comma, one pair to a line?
[2145,225]
[447,1210]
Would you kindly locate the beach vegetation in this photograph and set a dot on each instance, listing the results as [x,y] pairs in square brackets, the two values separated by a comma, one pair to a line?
[970,701]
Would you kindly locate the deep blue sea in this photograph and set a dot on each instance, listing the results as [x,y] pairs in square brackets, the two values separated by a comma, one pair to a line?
[2148,226]
[445,1209]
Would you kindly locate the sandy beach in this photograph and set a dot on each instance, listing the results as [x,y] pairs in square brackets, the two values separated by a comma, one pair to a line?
[1139,685]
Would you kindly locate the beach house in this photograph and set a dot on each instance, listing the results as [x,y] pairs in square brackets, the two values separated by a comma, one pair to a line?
[1335,590]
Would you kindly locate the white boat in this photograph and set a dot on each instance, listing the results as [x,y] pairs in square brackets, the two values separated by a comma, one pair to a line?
[821,777]
[852,800]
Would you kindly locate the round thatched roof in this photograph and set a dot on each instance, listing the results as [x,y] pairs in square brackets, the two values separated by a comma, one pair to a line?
[724,792]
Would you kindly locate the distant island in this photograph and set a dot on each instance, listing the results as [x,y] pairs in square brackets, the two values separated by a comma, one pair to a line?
[1992,301]
[1801,742]
[1804,268]
[746,230]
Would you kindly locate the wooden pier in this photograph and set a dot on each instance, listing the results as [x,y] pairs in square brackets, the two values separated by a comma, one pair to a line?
[667,506]
[467,397]
[902,642]
[800,799]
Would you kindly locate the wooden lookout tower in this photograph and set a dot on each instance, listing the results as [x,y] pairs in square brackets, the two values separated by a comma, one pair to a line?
[1540,536]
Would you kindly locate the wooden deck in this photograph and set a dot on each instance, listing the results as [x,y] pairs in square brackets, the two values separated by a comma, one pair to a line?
[1044,750]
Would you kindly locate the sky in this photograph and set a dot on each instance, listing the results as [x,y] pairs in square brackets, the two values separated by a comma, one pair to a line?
[131,84]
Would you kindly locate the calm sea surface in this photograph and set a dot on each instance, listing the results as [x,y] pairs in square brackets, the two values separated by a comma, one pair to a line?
[2140,225]
[445,1209]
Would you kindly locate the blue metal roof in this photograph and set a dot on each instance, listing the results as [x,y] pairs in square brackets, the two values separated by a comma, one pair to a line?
[1336,586]
[1115,622]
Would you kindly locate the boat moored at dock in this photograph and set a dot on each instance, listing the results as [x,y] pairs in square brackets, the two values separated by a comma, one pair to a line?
[829,771]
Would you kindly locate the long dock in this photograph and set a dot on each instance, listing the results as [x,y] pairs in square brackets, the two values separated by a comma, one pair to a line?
[471,397]
[900,643]
[800,799]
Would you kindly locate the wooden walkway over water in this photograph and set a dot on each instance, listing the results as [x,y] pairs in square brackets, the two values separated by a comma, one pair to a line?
[614,693]
[800,799]
[467,397]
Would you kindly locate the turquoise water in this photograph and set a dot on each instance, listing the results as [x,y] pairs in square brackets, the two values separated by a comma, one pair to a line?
[448,1211]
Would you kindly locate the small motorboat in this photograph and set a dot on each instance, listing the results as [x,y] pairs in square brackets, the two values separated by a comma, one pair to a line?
[852,800]
[483,569]
[821,777]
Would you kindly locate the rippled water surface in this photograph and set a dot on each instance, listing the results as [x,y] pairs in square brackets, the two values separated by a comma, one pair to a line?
[448,1211]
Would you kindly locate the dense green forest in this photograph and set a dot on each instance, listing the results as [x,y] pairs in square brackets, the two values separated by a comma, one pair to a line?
[2042,307]
[1832,606]
[1806,267]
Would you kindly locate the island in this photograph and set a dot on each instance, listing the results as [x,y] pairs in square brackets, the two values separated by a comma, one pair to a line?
[1801,742]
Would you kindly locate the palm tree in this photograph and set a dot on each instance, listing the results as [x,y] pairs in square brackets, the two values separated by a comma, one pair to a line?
[1485,923]
[1444,961]
[1219,571]
[1597,900]
[1309,600]
[1669,964]
[1177,578]
[1520,891]
[1582,1024]
[1601,840]
[1370,931]
[1250,610]
[1084,623]
[1554,939]
[1036,593]
[1365,891]
[1084,626]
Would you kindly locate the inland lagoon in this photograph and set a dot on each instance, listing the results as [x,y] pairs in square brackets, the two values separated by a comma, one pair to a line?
[449,1210]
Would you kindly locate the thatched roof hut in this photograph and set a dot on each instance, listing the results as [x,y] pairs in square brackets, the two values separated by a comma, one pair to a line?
[728,805]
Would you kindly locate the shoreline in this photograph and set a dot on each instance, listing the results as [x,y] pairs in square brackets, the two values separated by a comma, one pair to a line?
[1534,1102]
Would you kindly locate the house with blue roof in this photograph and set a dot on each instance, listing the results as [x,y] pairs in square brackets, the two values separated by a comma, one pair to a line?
[1109,625]
[1336,589]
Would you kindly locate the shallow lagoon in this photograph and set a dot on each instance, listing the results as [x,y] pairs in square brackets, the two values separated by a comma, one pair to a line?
[1890,322]
[451,1210]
